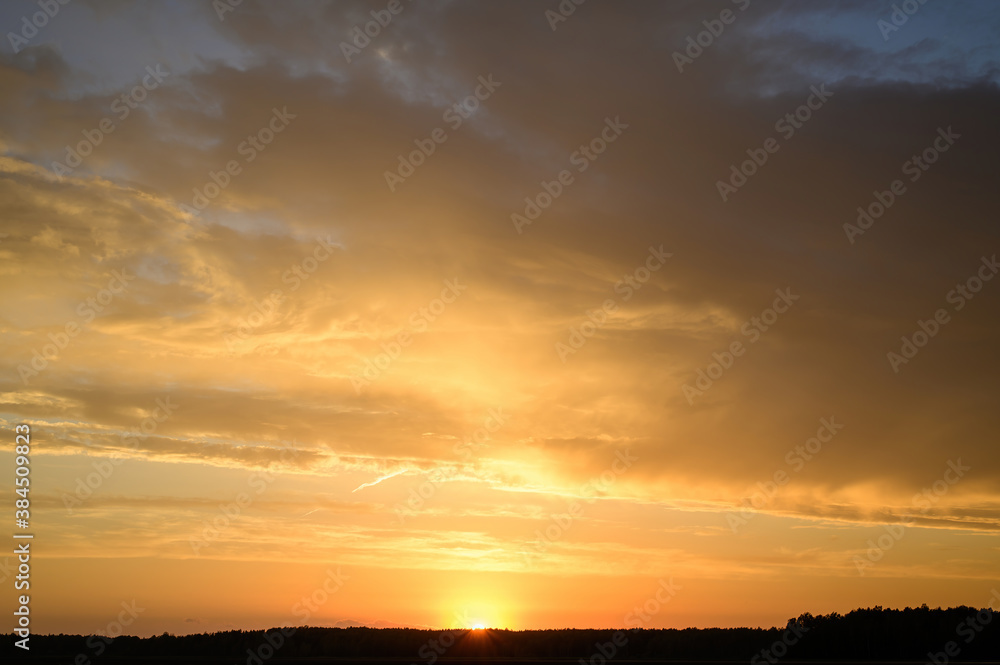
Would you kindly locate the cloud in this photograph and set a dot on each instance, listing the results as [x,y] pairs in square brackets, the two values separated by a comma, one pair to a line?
[380,479]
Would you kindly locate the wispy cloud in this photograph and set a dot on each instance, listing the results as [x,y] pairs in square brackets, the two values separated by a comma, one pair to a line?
[378,480]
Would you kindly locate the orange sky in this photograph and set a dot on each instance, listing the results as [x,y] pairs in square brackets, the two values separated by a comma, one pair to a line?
[254,364]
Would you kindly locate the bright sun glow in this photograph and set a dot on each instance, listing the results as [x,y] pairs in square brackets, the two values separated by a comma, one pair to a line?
[477,615]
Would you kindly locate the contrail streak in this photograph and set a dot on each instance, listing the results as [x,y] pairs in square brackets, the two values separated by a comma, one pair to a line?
[378,480]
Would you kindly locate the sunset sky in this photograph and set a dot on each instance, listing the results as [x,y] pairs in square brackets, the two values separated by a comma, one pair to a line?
[510,316]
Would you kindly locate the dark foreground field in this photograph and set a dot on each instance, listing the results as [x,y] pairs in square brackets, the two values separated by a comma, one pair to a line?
[445,660]
[919,635]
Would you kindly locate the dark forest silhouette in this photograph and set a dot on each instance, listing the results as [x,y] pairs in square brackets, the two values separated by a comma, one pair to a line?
[921,634]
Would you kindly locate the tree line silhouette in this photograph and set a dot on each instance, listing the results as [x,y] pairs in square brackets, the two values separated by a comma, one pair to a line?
[936,636]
